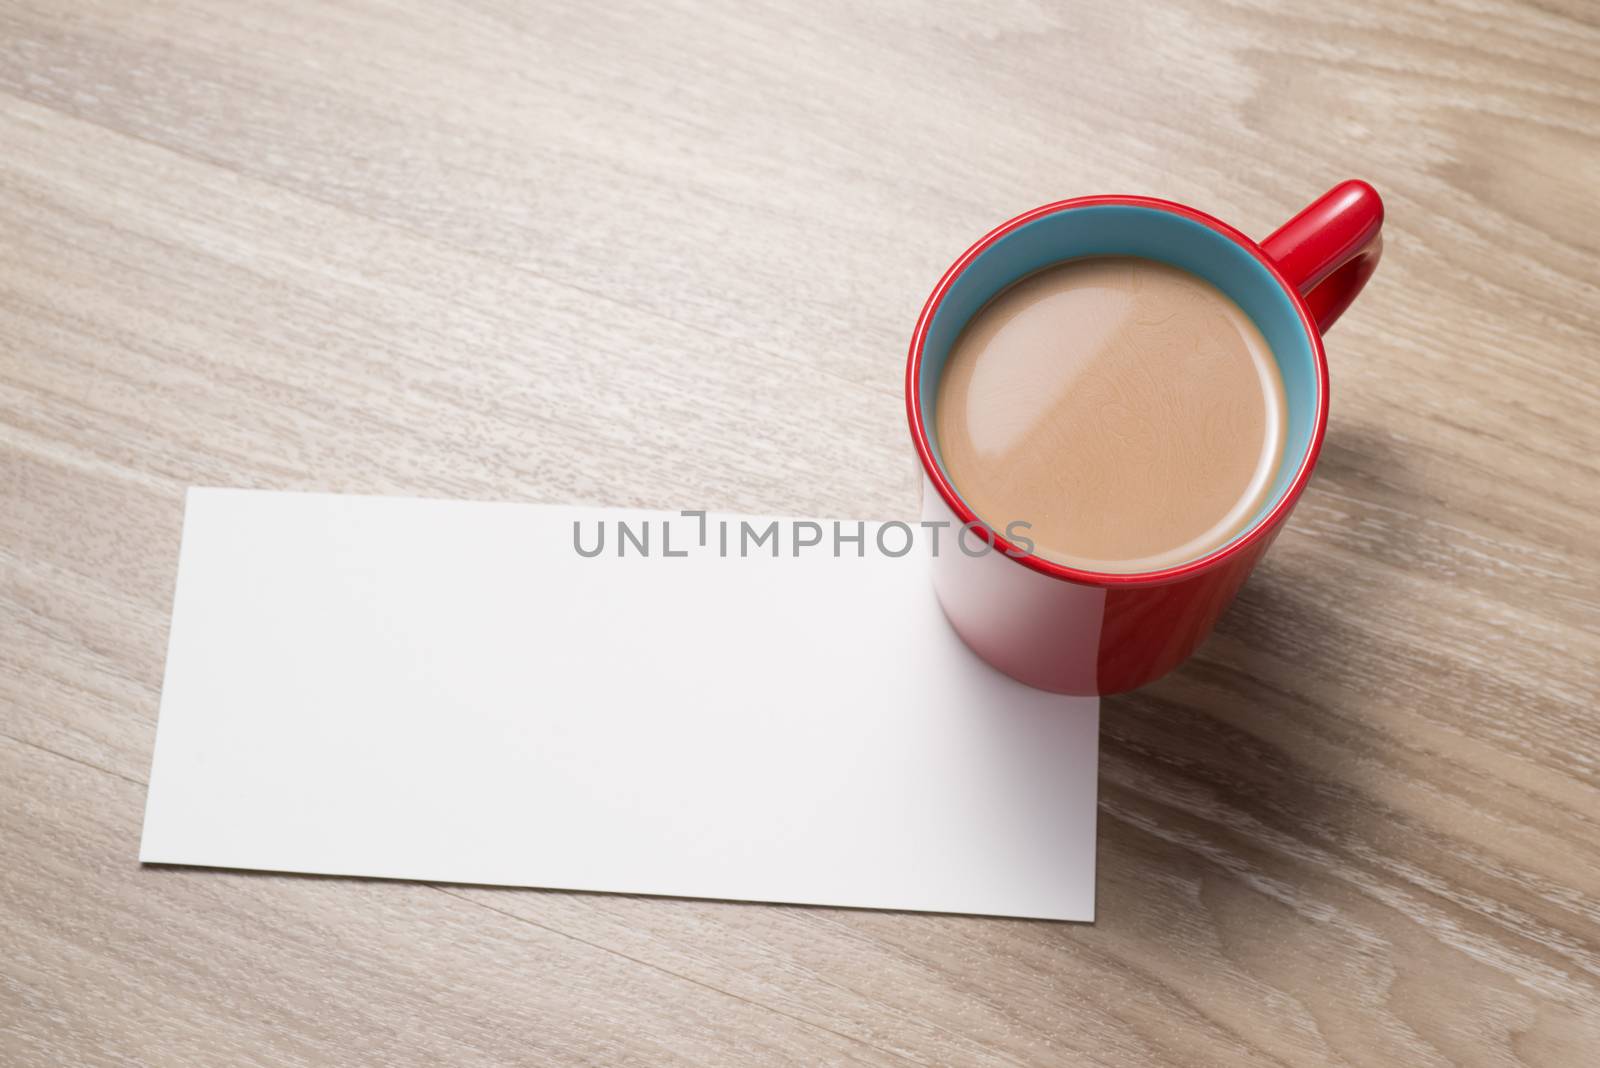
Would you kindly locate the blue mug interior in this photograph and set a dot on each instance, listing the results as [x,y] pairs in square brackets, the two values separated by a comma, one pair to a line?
[1151,233]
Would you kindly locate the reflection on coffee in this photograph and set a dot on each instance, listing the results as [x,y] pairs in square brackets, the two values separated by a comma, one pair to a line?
[1126,409]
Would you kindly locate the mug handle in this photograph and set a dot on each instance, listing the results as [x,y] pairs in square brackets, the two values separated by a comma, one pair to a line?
[1330,249]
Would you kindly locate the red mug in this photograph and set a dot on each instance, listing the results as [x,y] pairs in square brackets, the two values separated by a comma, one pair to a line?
[1085,632]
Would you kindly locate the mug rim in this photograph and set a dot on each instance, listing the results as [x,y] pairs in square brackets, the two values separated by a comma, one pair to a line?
[1254,534]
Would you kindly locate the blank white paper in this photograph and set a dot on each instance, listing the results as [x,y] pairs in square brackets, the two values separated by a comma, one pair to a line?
[447,691]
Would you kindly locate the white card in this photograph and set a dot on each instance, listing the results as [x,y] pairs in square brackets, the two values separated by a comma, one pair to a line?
[448,691]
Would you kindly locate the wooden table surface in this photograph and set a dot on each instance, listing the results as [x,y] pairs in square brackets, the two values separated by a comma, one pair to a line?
[669,256]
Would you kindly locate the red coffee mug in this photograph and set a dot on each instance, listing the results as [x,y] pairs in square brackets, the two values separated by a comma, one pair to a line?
[1084,632]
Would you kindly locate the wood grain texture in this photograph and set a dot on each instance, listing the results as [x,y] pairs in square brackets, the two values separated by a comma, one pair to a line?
[669,255]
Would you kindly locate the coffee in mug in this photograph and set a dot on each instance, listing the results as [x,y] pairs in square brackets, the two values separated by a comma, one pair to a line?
[1127,411]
